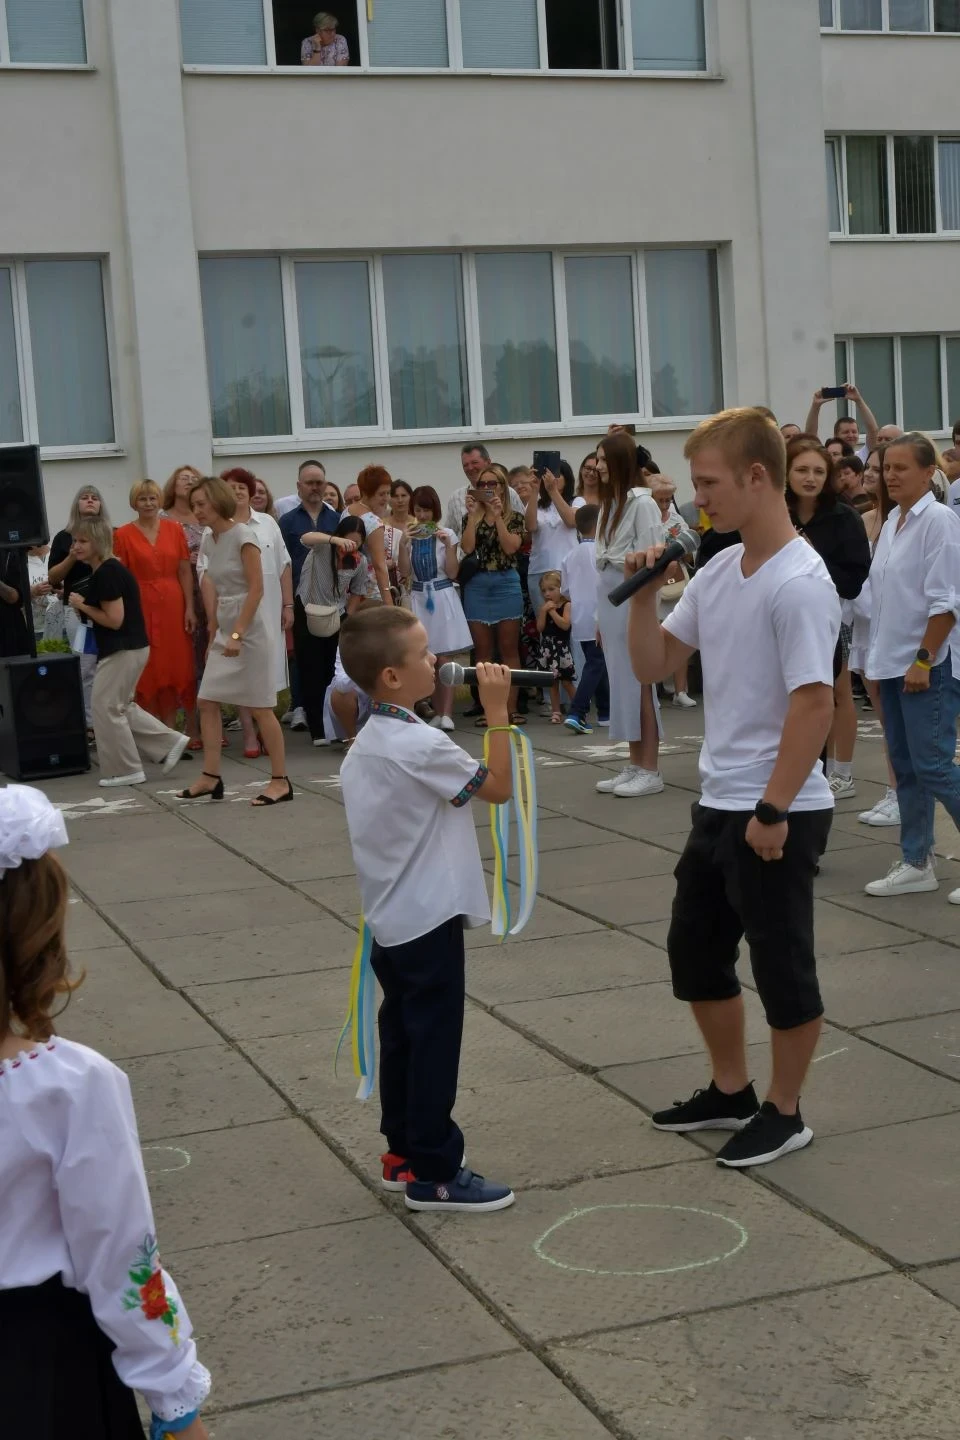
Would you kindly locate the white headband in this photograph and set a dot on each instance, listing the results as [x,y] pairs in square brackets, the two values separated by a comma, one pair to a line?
[29,826]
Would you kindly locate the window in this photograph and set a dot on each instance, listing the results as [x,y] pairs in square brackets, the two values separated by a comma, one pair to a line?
[54,363]
[908,380]
[637,35]
[893,184]
[518,341]
[423,343]
[246,347]
[42,32]
[901,16]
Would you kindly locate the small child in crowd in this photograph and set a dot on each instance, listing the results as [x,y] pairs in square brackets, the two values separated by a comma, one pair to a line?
[553,625]
[428,559]
[86,1313]
[579,580]
[421,883]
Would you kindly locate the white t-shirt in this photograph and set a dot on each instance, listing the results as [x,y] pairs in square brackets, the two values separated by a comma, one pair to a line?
[578,579]
[552,541]
[285,504]
[406,789]
[761,637]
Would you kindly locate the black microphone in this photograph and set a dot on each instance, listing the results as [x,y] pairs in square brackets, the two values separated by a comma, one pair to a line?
[676,550]
[453,674]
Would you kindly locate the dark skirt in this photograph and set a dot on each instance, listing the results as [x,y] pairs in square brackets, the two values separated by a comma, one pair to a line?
[56,1373]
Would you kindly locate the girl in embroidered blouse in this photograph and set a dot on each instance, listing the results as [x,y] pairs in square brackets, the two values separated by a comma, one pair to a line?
[86,1311]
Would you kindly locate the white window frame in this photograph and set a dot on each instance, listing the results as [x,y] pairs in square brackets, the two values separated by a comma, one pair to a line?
[849,342]
[885,29]
[839,141]
[302,436]
[455,64]
[7,64]
[29,420]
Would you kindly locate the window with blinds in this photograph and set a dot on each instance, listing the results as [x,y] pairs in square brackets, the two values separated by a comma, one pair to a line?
[893,184]
[222,32]
[907,380]
[896,16]
[45,32]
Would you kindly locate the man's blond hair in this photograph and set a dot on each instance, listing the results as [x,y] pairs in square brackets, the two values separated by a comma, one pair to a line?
[744,436]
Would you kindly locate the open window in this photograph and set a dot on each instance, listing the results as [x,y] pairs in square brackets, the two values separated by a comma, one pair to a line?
[582,35]
[293,23]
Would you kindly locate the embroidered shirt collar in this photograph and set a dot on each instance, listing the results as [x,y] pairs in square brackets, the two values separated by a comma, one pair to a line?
[394,712]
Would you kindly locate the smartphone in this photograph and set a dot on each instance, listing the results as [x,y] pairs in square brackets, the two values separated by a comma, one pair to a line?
[834,392]
[546,460]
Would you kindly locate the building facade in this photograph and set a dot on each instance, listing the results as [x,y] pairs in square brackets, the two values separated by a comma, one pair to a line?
[511,220]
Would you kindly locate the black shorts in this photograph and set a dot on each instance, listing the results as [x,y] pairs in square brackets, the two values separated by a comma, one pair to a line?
[725,893]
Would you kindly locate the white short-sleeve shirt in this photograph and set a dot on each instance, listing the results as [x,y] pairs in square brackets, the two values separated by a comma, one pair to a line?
[761,637]
[578,579]
[406,790]
[552,541]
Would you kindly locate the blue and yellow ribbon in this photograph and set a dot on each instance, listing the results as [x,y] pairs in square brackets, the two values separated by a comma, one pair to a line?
[360,1023]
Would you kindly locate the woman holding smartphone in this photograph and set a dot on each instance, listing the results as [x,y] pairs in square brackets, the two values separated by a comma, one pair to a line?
[493,601]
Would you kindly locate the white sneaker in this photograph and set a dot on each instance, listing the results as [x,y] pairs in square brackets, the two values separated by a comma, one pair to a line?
[446,723]
[607,787]
[641,782]
[320,742]
[175,752]
[904,879]
[885,812]
[683,701]
[954,897]
[841,786]
[436,723]
[298,720]
[286,717]
[136,778]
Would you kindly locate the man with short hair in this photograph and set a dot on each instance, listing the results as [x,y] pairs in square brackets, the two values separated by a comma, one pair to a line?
[309,512]
[846,428]
[765,617]
[474,458]
[286,503]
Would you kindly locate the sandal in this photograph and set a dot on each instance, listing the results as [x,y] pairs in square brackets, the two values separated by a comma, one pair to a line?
[260,800]
[481,722]
[556,718]
[195,745]
[517,719]
[216,793]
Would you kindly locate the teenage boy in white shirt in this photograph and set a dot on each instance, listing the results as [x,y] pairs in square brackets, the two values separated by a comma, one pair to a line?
[765,617]
[406,790]
[913,654]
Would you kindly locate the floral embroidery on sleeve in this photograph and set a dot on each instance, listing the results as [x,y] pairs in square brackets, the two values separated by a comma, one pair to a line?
[147,1292]
[471,787]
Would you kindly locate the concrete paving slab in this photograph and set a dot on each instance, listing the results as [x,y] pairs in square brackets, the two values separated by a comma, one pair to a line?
[631,1248]
[323,1307]
[150,869]
[554,833]
[196,1090]
[250,1181]
[944,1279]
[849,867]
[869,1361]
[641,1022]
[330,858]
[86,930]
[123,1010]
[565,965]
[320,943]
[512,1398]
[926,916]
[548,920]
[94,825]
[621,902]
[212,913]
[851,1085]
[892,1187]
[933,1041]
[893,983]
[277,1005]
[628,861]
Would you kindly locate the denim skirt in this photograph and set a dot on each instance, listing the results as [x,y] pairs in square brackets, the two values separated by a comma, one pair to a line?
[492,596]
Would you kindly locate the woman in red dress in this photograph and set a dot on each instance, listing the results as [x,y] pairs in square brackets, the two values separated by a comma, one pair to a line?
[155,551]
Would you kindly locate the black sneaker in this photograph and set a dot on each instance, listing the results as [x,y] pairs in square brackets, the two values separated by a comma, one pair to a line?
[768,1136]
[709,1109]
[472,711]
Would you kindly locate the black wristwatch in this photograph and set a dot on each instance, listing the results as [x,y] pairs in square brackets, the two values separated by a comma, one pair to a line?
[923,655]
[768,814]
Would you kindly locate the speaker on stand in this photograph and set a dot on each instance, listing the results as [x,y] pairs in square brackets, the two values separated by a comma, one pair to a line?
[43,730]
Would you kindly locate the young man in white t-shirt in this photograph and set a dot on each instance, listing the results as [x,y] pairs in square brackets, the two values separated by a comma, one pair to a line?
[765,617]
[406,790]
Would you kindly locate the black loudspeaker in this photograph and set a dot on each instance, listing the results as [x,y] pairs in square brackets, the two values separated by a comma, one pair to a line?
[23,511]
[43,732]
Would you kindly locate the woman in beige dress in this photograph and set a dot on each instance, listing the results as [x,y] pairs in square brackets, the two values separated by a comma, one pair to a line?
[240,667]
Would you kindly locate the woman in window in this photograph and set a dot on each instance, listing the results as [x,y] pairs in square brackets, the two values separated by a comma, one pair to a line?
[629,522]
[374,485]
[836,532]
[155,552]
[493,601]
[325,46]
[176,506]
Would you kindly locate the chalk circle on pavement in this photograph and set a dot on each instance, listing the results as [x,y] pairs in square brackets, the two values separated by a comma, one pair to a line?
[164,1159]
[706,1235]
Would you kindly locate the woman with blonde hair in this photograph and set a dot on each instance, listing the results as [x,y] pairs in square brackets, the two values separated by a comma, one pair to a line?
[155,552]
[493,601]
[176,506]
[241,665]
[65,572]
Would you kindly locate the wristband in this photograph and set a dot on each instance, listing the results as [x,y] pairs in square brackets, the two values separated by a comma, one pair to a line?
[923,664]
[160,1429]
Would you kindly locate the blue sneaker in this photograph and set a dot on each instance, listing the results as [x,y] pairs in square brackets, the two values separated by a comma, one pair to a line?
[574,722]
[465,1191]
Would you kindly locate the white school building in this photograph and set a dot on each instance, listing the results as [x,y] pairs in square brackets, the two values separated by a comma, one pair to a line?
[505,220]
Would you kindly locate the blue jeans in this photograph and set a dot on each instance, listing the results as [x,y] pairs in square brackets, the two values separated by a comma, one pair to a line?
[921,735]
[593,682]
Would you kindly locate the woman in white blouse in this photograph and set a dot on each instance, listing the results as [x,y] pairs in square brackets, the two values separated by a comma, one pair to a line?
[551,520]
[629,521]
[87,1314]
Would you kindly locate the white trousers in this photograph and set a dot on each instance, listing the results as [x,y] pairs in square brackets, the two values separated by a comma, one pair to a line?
[122,730]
